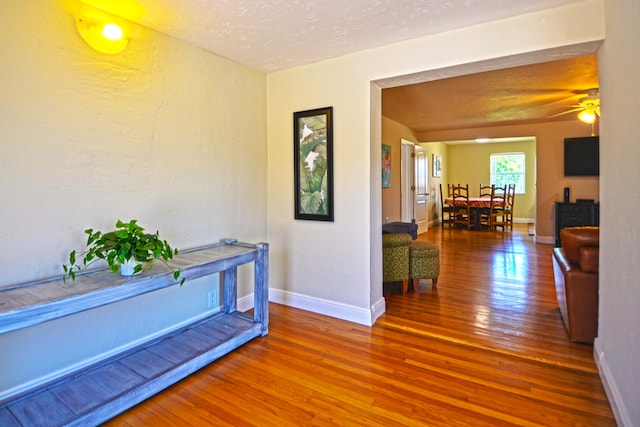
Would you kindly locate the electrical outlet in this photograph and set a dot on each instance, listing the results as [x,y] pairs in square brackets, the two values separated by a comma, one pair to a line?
[213,300]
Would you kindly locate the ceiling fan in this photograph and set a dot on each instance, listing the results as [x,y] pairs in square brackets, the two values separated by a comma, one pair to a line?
[588,106]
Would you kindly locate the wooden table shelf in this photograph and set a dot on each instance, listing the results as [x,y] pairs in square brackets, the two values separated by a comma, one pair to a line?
[97,393]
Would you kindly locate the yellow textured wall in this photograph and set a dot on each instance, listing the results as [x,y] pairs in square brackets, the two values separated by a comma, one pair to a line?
[163,132]
[470,164]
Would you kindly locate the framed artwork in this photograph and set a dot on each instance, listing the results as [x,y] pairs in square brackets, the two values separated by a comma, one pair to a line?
[386,166]
[313,164]
[436,166]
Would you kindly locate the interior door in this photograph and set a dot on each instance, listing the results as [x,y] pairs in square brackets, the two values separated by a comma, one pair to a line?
[421,188]
[407,181]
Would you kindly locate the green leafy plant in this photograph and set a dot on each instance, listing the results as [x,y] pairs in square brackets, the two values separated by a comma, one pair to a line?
[128,241]
[313,174]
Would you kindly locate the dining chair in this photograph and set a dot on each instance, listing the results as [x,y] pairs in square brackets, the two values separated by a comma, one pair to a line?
[483,214]
[485,191]
[510,200]
[498,208]
[463,213]
[446,210]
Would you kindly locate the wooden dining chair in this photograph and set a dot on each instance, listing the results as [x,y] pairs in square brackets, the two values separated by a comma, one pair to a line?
[510,200]
[446,210]
[485,191]
[462,214]
[483,214]
[498,208]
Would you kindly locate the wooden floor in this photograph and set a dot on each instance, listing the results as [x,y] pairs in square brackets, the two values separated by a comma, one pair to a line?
[485,348]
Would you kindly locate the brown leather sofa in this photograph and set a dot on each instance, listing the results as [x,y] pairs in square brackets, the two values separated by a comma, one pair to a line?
[575,268]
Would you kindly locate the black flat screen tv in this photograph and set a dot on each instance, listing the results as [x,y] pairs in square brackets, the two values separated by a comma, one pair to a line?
[582,156]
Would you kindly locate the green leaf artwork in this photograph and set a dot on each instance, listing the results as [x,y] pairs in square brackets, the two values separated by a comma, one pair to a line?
[313,165]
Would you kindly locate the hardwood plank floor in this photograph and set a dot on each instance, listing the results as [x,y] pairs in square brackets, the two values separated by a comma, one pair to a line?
[485,348]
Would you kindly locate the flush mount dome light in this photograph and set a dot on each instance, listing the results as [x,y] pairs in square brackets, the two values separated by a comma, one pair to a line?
[102,31]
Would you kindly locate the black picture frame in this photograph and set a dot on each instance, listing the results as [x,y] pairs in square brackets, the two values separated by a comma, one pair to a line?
[313,164]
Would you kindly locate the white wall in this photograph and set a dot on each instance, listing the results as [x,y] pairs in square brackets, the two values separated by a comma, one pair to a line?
[617,347]
[339,263]
[165,132]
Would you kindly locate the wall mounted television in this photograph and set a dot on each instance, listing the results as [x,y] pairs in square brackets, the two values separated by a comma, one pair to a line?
[582,156]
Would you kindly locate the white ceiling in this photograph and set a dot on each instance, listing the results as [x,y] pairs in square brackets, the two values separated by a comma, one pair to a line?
[272,35]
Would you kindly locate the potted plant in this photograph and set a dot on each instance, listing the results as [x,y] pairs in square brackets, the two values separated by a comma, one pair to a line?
[125,249]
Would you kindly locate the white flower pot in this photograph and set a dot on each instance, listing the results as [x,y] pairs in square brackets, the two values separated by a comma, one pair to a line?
[127,267]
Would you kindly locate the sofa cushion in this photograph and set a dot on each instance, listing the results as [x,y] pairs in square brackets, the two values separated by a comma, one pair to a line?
[588,259]
[574,238]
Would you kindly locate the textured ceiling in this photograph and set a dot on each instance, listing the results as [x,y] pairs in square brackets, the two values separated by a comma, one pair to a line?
[519,95]
[272,35]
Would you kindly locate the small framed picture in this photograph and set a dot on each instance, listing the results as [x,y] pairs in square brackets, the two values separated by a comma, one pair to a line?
[437,166]
[386,166]
[313,164]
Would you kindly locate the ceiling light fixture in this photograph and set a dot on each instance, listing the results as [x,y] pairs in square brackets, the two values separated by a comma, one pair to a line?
[102,31]
[112,32]
[587,116]
[590,111]
[589,107]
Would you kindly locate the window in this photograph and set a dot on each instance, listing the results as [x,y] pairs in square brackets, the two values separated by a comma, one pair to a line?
[508,168]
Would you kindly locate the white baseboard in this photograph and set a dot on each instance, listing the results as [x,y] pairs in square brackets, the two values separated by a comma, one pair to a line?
[321,306]
[618,407]
[549,240]
[377,310]
[523,220]
[245,303]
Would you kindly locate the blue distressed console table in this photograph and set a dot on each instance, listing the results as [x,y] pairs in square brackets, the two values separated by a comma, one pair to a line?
[99,392]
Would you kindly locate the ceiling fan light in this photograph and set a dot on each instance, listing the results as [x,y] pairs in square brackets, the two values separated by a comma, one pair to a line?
[587,116]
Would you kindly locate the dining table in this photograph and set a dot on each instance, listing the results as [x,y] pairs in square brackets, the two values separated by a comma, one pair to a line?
[475,204]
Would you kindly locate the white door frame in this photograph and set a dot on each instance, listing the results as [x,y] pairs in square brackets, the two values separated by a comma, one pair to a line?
[421,188]
[412,203]
[406,181]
